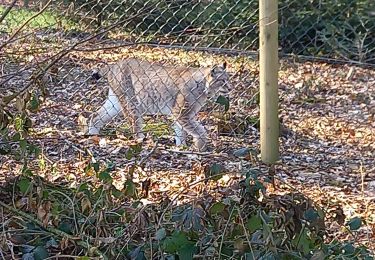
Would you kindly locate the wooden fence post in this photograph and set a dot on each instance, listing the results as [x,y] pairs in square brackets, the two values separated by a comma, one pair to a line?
[269,64]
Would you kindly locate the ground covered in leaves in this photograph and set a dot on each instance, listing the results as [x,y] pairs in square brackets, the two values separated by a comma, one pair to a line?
[111,195]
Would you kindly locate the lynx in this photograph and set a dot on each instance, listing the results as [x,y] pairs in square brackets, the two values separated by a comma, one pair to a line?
[138,87]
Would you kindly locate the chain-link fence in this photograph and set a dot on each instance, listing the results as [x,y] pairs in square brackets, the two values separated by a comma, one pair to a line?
[71,39]
[183,72]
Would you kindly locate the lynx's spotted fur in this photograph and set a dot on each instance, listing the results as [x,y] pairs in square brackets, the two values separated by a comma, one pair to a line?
[139,87]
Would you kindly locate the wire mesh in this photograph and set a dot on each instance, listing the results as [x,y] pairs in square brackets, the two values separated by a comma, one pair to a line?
[69,39]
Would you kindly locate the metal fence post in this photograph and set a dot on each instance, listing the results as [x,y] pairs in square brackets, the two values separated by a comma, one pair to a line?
[269,63]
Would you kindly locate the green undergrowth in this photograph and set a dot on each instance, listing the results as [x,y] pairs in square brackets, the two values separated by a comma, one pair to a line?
[157,129]
[48,19]
[96,219]
[93,217]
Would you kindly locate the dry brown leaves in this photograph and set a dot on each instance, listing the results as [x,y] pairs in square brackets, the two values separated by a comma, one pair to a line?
[327,148]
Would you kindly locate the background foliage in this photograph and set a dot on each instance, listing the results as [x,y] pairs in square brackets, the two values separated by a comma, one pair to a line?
[342,29]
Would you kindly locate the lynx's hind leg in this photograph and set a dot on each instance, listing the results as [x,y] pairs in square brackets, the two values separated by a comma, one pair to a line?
[180,134]
[105,114]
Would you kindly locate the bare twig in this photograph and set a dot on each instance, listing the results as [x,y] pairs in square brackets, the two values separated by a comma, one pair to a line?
[246,234]
[69,257]
[141,161]
[224,231]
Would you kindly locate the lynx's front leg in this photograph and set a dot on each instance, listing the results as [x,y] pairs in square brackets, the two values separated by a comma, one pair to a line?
[105,114]
[196,130]
[124,89]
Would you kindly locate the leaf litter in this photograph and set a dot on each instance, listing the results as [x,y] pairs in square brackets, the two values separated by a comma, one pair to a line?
[327,140]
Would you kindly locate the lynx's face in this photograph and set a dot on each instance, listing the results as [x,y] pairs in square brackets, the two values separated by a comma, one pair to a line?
[220,82]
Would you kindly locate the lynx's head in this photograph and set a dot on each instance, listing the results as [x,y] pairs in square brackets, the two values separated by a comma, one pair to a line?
[219,83]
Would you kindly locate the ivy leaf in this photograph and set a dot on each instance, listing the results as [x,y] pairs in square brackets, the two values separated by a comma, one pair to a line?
[116,193]
[16,137]
[214,169]
[311,215]
[254,223]
[137,254]
[28,256]
[34,103]
[5,149]
[129,154]
[186,252]
[40,253]
[105,176]
[130,188]
[349,248]
[177,243]
[355,223]
[302,242]
[217,208]
[223,101]
[24,185]
[160,234]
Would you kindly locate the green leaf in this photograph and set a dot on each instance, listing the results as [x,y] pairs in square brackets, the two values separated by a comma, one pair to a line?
[355,223]
[23,144]
[223,101]
[16,137]
[83,187]
[95,166]
[137,148]
[242,152]
[349,248]
[217,208]
[34,103]
[177,241]
[311,215]
[105,176]
[24,185]
[318,255]
[26,171]
[130,188]
[254,223]
[186,252]
[129,154]
[66,226]
[137,254]
[160,234]
[302,242]
[18,123]
[40,253]
[214,170]
[116,193]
